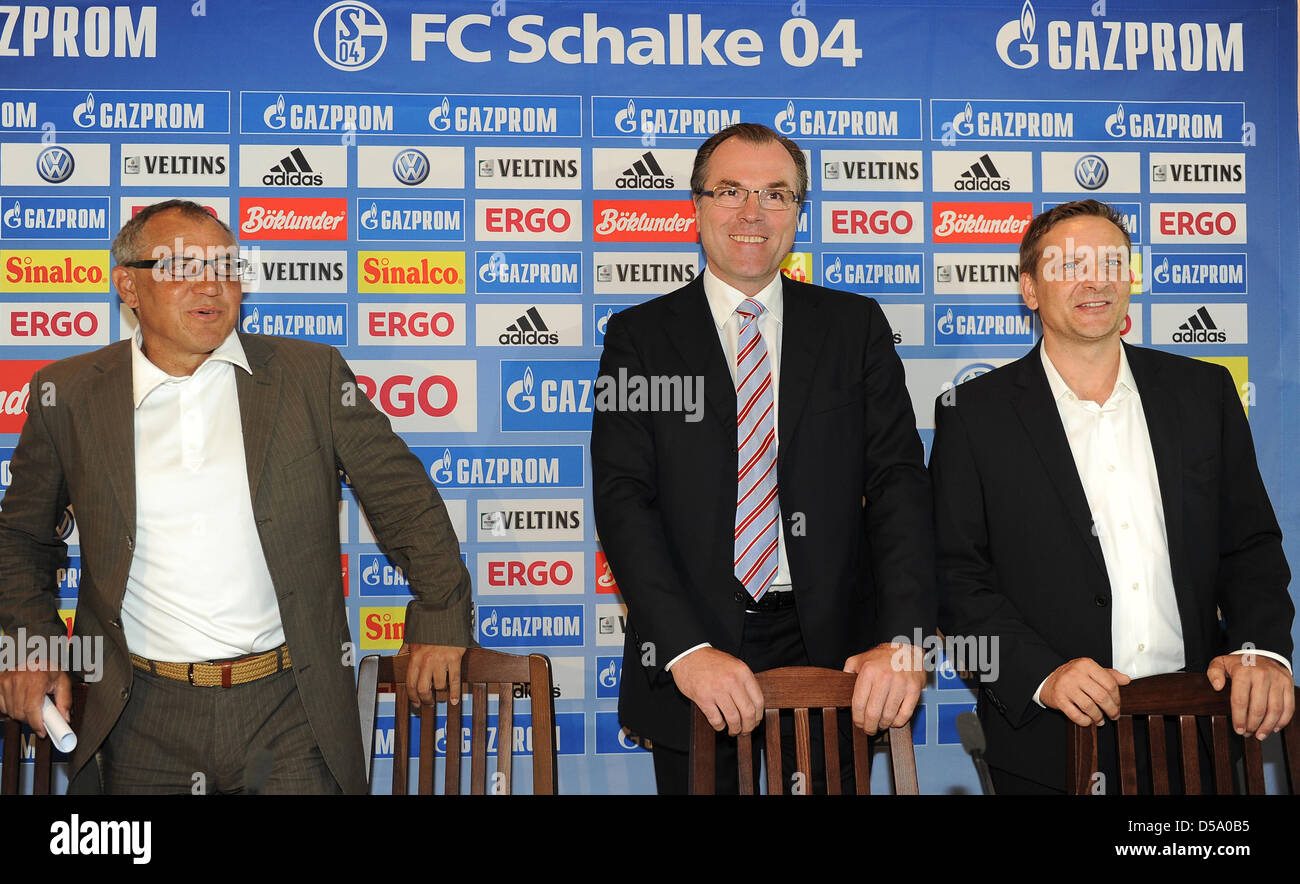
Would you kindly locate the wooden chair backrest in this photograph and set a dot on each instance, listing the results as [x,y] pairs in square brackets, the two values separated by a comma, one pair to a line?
[10,761]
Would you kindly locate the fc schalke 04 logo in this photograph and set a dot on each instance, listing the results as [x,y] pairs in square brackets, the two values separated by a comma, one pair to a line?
[350,35]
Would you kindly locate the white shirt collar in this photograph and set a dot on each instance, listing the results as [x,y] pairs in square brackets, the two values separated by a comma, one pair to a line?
[723,299]
[147,377]
[1061,390]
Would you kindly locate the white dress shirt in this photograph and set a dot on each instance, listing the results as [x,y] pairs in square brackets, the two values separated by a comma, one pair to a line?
[723,301]
[1117,468]
[199,588]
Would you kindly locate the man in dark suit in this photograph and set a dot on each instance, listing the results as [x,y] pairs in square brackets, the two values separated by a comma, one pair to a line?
[202,466]
[1097,506]
[787,525]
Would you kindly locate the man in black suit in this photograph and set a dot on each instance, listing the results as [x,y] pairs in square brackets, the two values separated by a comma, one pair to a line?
[795,532]
[1096,506]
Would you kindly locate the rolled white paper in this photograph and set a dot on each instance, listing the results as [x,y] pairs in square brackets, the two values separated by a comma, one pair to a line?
[57,727]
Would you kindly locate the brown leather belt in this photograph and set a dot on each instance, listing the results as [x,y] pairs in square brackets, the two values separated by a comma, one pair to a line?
[224,674]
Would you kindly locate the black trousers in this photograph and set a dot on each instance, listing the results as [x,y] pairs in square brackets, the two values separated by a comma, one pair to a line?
[771,640]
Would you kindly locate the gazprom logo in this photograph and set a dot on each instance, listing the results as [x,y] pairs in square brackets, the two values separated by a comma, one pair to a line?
[84,113]
[273,116]
[511,626]
[962,123]
[440,116]
[503,466]
[350,36]
[1091,172]
[55,164]
[411,167]
[609,674]
[1115,125]
[1014,38]
[625,120]
[786,119]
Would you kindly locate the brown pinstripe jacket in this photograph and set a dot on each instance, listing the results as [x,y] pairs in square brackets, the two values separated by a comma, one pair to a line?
[301,423]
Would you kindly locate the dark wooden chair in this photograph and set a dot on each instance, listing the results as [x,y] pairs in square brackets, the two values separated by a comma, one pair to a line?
[1187,696]
[42,762]
[482,673]
[803,689]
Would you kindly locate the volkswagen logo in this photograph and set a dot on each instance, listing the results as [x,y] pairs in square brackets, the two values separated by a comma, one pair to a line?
[1090,172]
[411,167]
[55,164]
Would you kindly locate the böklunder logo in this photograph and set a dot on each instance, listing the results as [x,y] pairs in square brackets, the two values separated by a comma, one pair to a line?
[981,222]
[297,218]
[643,221]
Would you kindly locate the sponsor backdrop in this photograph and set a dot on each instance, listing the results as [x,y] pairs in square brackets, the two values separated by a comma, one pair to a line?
[459,196]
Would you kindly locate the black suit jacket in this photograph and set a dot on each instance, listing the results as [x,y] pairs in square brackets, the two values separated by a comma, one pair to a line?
[854,493]
[1019,562]
[303,418]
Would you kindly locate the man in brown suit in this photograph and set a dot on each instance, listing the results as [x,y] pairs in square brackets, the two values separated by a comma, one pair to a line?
[253,570]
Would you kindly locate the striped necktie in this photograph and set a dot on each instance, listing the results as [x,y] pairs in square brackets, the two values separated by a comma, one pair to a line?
[758,522]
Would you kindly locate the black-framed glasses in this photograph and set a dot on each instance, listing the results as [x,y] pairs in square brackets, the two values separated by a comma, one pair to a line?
[776,199]
[175,267]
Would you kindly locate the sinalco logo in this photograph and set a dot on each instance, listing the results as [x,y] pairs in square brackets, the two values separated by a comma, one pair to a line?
[625,120]
[273,116]
[55,164]
[785,121]
[1115,126]
[440,116]
[520,393]
[350,36]
[1015,36]
[84,114]
[411,167]
[1091,172]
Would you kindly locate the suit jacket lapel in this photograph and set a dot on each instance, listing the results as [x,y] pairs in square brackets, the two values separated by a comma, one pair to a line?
[693,333]
[802,332]
[259,398]
[1164,428]
[111,414]
[1037,411]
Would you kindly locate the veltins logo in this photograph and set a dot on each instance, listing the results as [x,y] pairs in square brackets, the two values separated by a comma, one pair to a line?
[55,270]
[350,36]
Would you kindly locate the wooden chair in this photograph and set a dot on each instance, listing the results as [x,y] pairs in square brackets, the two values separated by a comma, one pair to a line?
[482,673]
[1187,695]
[43,771]
[802,689]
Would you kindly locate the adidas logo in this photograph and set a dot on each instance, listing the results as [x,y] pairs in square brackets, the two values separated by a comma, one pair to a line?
[645,174]
[293,171]
[529,329]
[982,175]
[1199,329]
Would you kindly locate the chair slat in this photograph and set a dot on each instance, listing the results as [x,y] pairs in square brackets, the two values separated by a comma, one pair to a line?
[745,752]
[1127,757]
[9,760]
[775,783]
[904,763]
[505,737]
[1188,750]
[428,725]
[1254,766]
[1222,755]
[802,750]
[478,740]
[455,730]
[831,748]
[1159,755]
[861,762]
[401,737]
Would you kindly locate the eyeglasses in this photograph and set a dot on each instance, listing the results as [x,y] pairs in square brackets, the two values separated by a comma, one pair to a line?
[176,267]
[775,200]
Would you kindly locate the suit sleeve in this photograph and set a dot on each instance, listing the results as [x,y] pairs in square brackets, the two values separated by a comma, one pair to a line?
[406,512]
[970,602]
[896,489]
[628,519]
[30,553]
[1251,589]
